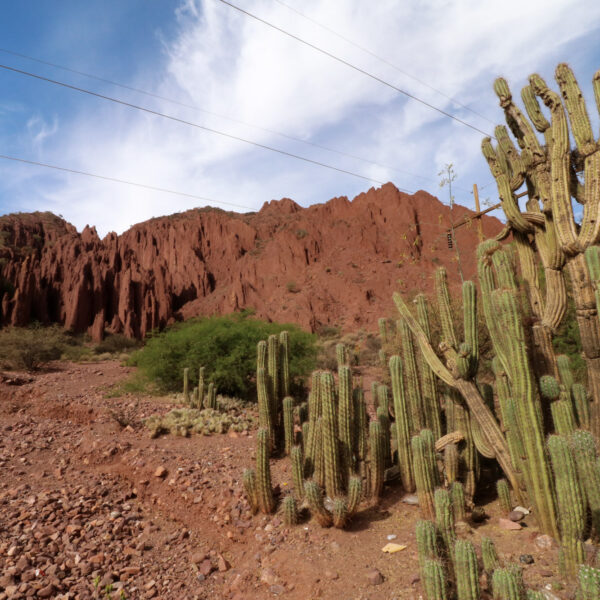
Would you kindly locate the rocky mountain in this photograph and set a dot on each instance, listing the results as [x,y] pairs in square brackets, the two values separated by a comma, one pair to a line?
[332,264]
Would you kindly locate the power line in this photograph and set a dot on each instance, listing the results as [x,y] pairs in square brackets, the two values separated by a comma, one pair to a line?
[214,114]
[197,125]
[383,60]
[348,64]
[116,180]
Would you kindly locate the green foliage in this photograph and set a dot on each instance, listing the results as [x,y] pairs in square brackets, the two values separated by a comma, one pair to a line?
[568,341]
[116,343]
[31,347]
[226,346]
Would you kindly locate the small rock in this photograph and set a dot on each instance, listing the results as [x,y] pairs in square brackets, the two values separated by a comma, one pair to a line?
[222,564]
[526,559]
[515,515]
[546,573]
[198,557]
[391,537]
[331,575]
[160,472]
[522,509]
[277,589]
[374,577]
[46,591]
[508,525]
[544,542]
[269,577]
[206,567]
[410,499]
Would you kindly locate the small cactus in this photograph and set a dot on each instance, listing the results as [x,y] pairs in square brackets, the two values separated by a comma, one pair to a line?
[340,512]
[265,499]
[314,497]
[549,387]
[507,585]
[427,545]
[249,480]
[289,509]
[489,556]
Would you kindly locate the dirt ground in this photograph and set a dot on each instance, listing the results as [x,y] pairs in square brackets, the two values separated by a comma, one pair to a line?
[92,507]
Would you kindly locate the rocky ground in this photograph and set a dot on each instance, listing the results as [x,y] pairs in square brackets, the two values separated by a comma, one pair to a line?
[92,507]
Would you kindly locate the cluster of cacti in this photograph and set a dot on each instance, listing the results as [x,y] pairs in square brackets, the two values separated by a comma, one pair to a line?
[183,422]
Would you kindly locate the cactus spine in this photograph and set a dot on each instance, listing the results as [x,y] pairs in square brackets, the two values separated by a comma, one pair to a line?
[265,500]
[571,507]
[467,577]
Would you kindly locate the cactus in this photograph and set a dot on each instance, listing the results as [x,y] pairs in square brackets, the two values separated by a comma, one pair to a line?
[571,506]
[563,417]
[426,476]
[261,355]
[384,420]
[249,481]
[427,544]
[340,512]
[507,585]
[318,471]
[288,423]
[360,426]
[402,425]
[457,493]
[535,595]
[333,473]
[504,495]
[195,395]
[377,462]
[489,556]
[465,565]
[434,580]
[588,470]
[342,355]
[211,396]
[264,490]
[412,388]
[355,490]
[382,324]
[200,387]
[284,363]
[581,404]
[297,470]
[289,509]
[186,385]
[273,382]
[264,405]
[589,583]
[345,422]
[444,519]
[451,463]
[314,497]
[549,387]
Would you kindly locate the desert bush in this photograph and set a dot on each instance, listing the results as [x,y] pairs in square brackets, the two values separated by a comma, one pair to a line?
[31,347]
[226,347]
[116,343]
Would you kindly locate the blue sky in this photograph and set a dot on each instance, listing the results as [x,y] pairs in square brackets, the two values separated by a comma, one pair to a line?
[205,54]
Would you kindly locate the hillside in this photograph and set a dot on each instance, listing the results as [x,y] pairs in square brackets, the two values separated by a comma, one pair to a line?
[332,264]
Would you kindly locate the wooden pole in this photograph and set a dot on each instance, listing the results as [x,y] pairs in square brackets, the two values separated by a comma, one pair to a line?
[478,210]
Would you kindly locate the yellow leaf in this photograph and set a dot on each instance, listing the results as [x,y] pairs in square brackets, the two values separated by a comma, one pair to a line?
[391,548]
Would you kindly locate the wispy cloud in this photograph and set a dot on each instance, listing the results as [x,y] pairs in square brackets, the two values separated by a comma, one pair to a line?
[225,63]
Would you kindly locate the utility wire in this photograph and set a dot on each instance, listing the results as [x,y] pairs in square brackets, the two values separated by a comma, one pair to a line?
[348,64]
[214,114]
[116,180]
[192,124]
[383,60]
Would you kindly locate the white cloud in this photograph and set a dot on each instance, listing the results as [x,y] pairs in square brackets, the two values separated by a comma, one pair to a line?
[229,64]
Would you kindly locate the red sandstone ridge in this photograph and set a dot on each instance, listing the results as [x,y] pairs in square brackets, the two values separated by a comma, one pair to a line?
[336,263]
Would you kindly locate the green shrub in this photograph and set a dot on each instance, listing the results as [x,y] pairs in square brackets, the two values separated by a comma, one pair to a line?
[31,347]
[115,343]
[226,347]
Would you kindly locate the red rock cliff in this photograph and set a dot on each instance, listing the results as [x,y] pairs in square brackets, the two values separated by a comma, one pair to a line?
[336,263]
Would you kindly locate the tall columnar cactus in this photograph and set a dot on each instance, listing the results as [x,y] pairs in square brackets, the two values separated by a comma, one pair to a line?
[274,377]
[426,475]
[211,396]
[200,387]
[489,556]
[588,470]
[284,363]
[377,458]
[434,580]
[563,417]
[361,427]
[571,506]
[333,473]
[402,425]
[342,354]
[298,470]
[186,385]
[507,585]
[504,495]
[289,509]
[444,519]
[264,489]
[581,404]
[589,583]
[411,375]
[288,423]
[429,391]
[467,576]
[264,406]
[345,422]
[249,481]
[384,419]
[457,493]
[451,463]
